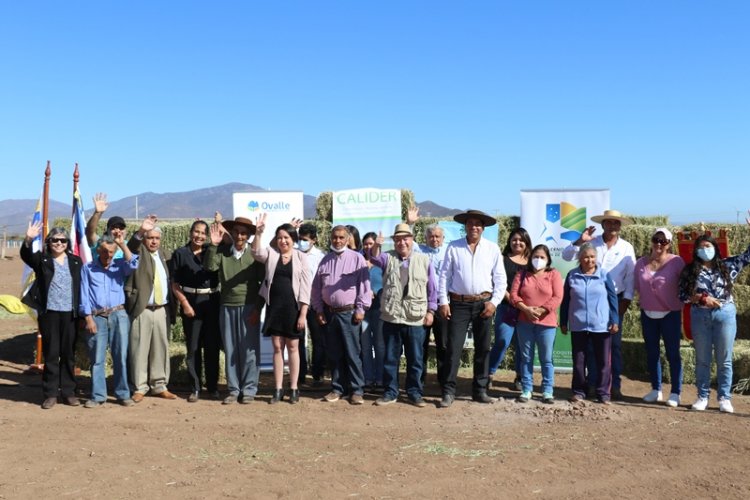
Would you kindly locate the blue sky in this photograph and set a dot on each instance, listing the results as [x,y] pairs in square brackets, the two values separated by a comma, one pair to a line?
[465,103]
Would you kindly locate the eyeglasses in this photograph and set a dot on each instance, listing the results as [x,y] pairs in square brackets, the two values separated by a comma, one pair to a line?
[659,241]
[58,240]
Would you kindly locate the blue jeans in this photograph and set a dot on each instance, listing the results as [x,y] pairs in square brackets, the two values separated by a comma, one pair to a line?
[343,340]
[504,335]
[412,340]
[372,342]
[714,329]
[112,331]
[241,349]
[544,338]
[670,329]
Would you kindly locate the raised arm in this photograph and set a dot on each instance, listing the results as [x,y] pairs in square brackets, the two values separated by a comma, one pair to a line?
[100,206]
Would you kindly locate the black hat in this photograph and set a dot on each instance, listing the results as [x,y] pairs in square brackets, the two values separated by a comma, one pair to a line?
[476,214]
[116,221]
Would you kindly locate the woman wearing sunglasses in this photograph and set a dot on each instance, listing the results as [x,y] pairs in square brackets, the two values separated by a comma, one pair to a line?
[706,284]
[657,277]
[55,297]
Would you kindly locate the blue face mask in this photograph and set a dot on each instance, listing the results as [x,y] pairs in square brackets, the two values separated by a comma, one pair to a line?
[706,253]
[303,245]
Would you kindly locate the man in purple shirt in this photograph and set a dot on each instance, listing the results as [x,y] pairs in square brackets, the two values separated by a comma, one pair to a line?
[409,301]
[340,295]
[102,304]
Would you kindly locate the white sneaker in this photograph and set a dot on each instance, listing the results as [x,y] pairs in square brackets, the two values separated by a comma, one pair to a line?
[653,396]
[725,405]
[700,404]
[674,400]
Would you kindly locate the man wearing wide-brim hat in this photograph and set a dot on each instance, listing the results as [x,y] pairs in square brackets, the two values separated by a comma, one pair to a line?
[408,304]
[617,257]
[471,284]
[240,276]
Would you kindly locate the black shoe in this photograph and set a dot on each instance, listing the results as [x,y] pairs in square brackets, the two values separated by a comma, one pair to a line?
[193,397]
[278,395]
[294,396]
[246,399]
[447,401]
[616,394]
[49,403]
[482,397]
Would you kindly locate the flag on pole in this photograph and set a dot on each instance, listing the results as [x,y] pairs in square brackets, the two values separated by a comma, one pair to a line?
[28,277]
[78,244]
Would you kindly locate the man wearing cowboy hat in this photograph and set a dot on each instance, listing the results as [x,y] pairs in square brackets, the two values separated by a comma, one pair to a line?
[408,301]
[240,277]
[617,257]
[471,284]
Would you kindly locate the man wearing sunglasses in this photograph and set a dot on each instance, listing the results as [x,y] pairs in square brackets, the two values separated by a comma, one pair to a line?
[617,257]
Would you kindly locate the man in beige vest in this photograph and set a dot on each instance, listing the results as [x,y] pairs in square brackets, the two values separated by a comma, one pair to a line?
[147,296]
[408,304]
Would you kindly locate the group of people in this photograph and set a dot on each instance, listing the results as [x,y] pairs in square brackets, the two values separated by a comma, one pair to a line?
[363,308]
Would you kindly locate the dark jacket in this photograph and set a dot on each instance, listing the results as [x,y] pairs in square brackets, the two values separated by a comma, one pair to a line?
[141,283]
[44,268]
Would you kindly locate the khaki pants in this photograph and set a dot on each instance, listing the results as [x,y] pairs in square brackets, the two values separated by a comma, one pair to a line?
[149,351]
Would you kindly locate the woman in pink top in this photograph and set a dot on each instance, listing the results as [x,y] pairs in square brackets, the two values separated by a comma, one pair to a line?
[537,292]
[657,277]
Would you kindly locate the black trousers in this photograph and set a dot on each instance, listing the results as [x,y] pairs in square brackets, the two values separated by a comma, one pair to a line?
[319,359]
[58,331]
[439,331]
[203,340]
[464,314]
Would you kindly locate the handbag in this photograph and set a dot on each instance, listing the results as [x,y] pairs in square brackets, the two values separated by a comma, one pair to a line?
[510,315]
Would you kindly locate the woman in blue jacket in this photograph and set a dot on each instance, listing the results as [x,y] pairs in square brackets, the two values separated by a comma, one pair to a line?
[589,311]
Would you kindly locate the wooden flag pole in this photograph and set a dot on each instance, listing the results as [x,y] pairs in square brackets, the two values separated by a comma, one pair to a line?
[38,365]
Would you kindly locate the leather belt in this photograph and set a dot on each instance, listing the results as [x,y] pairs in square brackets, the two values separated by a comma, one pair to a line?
[470,298]
[154,307]
[106,311]
[199,291]
[341,309]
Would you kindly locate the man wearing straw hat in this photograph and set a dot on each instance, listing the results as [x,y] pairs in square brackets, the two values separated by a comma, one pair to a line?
[408,305]
[617,257]
[240,276]
[471,284]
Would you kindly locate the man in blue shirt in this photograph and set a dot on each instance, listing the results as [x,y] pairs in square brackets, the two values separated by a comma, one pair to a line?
[102,304]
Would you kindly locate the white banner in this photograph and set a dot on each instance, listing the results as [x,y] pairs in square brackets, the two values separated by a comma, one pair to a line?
[556,218]
[281,207]
[368,209]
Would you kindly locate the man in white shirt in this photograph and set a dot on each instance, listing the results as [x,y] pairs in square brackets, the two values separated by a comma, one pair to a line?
[471,284]
[617,257]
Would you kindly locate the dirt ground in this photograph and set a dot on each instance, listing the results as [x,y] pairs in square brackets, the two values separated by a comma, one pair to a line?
[173,449]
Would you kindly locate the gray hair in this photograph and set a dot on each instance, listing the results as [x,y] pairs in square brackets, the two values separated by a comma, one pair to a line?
[585,248]
[432,228]
[107,239]
[156,229]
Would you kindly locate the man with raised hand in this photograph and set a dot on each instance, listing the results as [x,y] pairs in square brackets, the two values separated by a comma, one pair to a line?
[409,301]
[148,293]
[103,307]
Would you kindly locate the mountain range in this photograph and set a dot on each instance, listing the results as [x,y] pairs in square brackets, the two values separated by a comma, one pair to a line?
[15,214]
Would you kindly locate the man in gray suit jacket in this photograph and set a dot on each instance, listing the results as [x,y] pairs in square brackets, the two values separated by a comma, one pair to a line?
[147,297]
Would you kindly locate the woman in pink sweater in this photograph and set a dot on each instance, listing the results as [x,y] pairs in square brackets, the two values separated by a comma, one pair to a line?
[657,276]
[537,292]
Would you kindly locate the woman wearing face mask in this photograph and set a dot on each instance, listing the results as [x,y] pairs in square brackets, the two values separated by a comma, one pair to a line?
[656,279]
[515,257]
[537,292]
[706,284]
[56,297]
